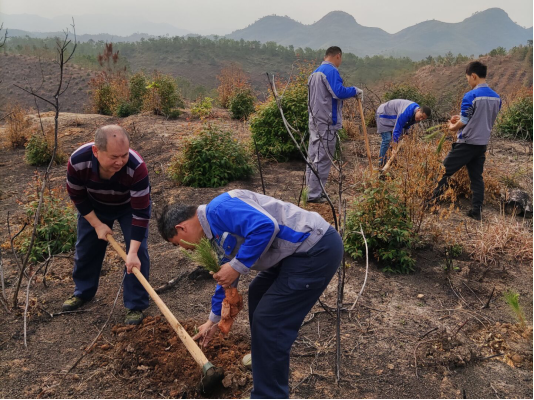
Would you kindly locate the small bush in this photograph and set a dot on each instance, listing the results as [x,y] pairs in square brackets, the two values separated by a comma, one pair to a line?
[138,90]
[211,159]
[18,126]
[268,128]
[39,150]
[202,108]
[56,226]
[125,109]
[516,121]
[162,95]
[231,79]
[242,104]
[410,92]
[387,228]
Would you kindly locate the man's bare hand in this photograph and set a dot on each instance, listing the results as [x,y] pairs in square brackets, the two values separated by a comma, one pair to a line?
[206,331]
[102,230]
[226,275]
[132,260]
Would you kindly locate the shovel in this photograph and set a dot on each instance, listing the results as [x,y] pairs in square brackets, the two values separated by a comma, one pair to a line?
[365,134]
[390,161]
[211,376]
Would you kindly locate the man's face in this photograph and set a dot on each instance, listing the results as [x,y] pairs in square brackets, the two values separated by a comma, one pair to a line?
[420,116]
[337,60]
[114,157]
[186,235]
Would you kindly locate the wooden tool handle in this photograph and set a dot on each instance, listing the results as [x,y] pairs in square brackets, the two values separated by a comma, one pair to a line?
[390,161]
[365,134]
[189,343]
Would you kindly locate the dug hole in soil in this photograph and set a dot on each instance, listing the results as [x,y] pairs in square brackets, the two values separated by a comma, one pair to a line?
[152,358]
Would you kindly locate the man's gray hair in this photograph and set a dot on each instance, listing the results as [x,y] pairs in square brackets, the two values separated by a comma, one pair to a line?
[102,135]
[173,215]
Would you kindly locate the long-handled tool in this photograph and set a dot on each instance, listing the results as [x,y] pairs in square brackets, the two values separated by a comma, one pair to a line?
[390,161]
[211,375]
[365,134]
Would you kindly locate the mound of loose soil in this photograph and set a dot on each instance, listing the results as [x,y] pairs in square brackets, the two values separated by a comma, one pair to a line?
[153,356]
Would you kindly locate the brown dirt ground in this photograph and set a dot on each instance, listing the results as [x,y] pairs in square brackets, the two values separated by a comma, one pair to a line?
[390,345]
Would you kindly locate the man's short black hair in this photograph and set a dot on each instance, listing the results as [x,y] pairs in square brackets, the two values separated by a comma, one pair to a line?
[333,51]
[426,110]
[172,215]
[476,67]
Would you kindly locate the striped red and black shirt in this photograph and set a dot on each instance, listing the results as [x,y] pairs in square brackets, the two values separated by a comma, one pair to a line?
[128,188]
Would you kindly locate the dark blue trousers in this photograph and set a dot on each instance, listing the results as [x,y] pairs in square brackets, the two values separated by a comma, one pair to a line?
[279,299]
[90,252]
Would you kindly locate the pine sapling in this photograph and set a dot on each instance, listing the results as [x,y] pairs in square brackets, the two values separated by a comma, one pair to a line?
[204,254]
[511,297]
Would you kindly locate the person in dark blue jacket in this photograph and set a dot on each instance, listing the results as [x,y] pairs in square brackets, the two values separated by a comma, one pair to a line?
[325,101]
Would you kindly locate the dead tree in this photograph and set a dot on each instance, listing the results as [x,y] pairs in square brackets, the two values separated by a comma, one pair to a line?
[65,49]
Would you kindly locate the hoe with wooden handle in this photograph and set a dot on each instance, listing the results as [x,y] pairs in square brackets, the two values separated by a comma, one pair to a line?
[390,161]
[211,376]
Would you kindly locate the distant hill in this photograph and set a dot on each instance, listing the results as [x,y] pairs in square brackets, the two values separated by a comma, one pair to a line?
[105,37]
[477,34]
[90,24]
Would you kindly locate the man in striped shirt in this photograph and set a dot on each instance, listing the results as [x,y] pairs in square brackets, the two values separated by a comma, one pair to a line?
[108,182]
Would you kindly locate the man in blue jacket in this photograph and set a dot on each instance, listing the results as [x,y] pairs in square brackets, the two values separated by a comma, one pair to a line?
[393,118]
[480,107]
[325,101]
[297,252]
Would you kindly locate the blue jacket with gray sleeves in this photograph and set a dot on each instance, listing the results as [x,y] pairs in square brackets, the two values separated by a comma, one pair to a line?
[480,107]
[325,97]
[396,116]
[253,231]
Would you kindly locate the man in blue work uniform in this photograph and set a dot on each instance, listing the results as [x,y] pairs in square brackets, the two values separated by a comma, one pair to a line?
[393,118]
[297,252]
[325,101]
[480,107]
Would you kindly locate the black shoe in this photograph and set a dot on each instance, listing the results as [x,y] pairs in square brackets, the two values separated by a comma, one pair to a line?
[73,303]
[475,214]
[319,199]
[133,317]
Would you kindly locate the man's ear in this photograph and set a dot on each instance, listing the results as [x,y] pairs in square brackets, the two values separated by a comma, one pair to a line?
[180,227]
[95,151]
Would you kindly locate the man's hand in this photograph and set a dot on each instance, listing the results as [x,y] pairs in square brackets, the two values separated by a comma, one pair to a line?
[206,332]
[226,275]
[359,94]
[454,119]
[102,230]
[132,260]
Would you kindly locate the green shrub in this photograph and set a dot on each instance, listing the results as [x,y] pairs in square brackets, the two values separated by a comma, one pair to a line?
[211,159]
[242,104]
[125,109]
[387,228]
[268,128]
[138,90]
[56,227]
[516,121]
[202,108]
[174,113]
[162,95]
[409,92]
[39,151]
[104,100]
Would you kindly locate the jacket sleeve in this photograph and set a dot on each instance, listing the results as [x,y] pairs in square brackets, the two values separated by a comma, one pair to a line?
[402,119]
[251,222]
[467,107]
[140,202]
[216,304]
[340,91]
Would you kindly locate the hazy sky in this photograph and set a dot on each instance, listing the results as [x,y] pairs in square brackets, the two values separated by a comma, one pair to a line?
[224,16]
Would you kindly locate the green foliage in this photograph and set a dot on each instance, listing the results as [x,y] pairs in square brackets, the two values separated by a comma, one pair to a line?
[163,94]
[203,254]
[409,92]
[125,109]
[211,159]
[516,121]
[242,104]
[499,51]
[56,227]
[202,108]
[138,90]
[387,228]
[511,297]
[39,151]
[104,100]
[268,128]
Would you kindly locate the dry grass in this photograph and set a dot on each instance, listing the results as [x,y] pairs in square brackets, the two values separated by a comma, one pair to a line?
[18,126]
[500,239]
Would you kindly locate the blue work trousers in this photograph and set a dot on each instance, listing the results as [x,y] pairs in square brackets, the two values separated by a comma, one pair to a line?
[90,252]
[279,299]
[384,147]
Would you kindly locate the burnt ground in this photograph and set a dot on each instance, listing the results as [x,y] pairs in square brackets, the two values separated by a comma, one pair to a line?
[423,335]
